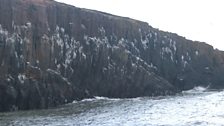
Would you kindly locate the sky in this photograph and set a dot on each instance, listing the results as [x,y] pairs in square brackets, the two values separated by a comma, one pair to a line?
[198,20]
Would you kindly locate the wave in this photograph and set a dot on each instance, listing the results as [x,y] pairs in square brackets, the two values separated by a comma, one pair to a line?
[97,98]
[195,90]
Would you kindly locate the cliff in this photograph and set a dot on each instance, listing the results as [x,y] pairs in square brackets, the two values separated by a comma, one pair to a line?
[52,54]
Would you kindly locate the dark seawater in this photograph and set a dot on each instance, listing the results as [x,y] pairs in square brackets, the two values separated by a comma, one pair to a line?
[196,107]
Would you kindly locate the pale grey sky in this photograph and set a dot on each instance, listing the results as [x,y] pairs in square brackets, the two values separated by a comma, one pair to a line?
[201,20]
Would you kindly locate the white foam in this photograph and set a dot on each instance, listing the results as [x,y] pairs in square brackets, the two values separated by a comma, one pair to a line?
[198,89]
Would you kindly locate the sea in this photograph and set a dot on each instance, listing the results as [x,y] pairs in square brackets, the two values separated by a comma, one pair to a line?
[196,107]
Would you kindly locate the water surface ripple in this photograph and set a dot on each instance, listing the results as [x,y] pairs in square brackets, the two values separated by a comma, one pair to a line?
[192,108]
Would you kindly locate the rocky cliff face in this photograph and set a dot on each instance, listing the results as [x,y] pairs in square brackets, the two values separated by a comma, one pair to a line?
[52,53]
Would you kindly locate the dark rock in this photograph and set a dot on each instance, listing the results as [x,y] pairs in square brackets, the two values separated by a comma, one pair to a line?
[52,54]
